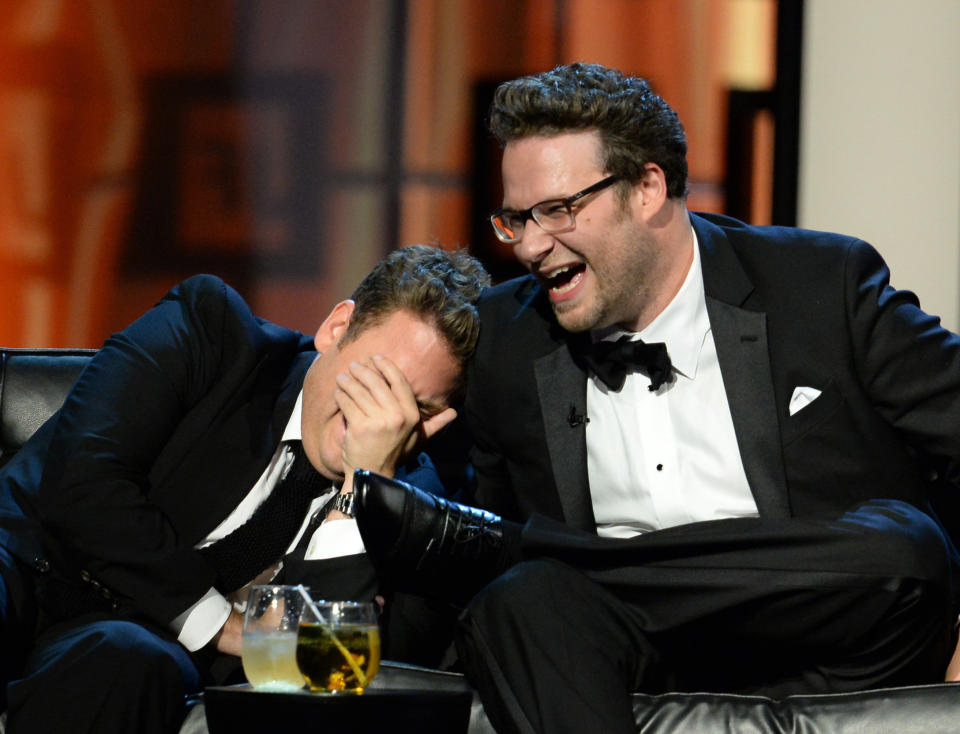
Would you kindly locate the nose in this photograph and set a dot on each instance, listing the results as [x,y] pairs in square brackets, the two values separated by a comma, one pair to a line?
[534,245]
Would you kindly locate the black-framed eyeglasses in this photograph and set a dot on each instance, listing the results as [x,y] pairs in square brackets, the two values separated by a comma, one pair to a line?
[553,215]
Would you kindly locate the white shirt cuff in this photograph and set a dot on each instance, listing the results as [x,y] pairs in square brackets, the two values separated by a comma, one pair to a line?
[198,625]
[335,538]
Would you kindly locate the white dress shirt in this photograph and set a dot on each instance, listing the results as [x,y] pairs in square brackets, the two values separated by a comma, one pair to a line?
[670,457]
[198,624]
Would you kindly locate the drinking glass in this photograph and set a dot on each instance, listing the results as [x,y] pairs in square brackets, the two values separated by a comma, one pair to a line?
[338,645]
[268,648]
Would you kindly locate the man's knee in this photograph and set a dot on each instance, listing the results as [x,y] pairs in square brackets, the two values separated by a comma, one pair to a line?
[521,590]
[533,604]
[914,544]
[146,655]
[134,680]
[124,654]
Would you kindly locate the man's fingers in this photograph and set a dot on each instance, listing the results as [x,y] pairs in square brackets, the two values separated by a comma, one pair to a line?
[383,417]
[397,382]
[348,406]
[386,389]
[354,383]
[435,422]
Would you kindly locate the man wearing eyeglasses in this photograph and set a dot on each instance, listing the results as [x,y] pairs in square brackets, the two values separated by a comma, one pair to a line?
[709,443]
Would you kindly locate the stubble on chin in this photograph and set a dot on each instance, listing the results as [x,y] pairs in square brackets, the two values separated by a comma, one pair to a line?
[577,318]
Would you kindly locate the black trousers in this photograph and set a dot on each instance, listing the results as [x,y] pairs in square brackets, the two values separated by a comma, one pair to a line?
[91,672]
[559,641]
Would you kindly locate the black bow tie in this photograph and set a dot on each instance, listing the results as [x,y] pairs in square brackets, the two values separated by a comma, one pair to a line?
[610,361]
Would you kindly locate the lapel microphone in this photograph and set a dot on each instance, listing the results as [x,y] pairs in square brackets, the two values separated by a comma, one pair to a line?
[575,419]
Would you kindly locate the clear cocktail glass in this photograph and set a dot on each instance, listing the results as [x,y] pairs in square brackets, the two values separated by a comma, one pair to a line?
[338,645]
[268,648]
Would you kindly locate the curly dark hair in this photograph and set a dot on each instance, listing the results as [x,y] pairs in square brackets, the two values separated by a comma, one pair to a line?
[636,126]
[438,285]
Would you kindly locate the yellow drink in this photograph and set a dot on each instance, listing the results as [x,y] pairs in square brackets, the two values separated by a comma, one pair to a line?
[270,661]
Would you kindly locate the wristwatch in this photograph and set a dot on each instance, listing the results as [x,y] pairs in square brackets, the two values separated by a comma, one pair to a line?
[344,503]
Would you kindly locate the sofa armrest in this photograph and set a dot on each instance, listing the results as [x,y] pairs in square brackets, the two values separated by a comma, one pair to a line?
[33,385]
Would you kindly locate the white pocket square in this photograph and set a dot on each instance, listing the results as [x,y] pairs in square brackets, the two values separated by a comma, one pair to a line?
[802,397]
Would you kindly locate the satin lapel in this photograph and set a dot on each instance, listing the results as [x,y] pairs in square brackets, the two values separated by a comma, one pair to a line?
[562,389]
[740,334]
[741,340]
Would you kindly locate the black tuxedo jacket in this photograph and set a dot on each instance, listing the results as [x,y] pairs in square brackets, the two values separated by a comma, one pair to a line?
[165,432]
[787,308]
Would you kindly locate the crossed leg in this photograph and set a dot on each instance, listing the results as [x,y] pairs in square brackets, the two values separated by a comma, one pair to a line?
[557,643]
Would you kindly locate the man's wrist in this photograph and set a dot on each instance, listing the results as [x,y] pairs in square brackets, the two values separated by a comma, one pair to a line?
[341,507]
[229,638]
[344,503]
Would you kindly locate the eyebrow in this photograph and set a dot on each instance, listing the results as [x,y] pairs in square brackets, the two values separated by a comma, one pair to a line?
[429,408]
[511,210]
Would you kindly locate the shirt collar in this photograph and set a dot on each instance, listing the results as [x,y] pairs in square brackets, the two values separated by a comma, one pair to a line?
[292,432]
[682,325]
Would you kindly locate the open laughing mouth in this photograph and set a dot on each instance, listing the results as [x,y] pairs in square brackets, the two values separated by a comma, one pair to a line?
[565,279]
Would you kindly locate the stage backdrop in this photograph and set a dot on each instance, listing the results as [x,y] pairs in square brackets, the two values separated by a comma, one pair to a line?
[288,144]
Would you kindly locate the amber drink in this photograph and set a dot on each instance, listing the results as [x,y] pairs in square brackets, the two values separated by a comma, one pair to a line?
[338,646]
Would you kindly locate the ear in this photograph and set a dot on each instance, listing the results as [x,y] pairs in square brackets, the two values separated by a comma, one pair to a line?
[651,190]
[334,326]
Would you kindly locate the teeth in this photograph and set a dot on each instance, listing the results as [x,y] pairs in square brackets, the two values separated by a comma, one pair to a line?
[554,274]
[567,286]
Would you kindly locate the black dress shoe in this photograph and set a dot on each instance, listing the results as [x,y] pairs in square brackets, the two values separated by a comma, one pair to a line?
[423,543]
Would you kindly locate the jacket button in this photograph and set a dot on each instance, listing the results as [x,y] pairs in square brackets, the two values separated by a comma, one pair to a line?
[41,564]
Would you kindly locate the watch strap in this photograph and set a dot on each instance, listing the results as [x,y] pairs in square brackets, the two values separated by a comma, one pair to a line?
[345,503]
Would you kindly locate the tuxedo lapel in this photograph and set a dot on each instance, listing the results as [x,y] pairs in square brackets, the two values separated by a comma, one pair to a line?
[741,340]
[562,389]
[740,336]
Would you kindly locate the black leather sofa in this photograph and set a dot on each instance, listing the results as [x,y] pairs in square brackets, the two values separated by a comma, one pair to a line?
[34,383]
